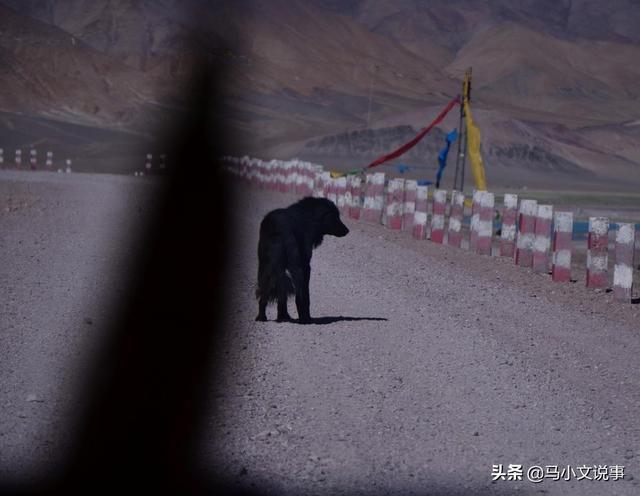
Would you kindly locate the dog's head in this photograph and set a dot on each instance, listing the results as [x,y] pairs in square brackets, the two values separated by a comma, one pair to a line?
[326,217]
[330,219]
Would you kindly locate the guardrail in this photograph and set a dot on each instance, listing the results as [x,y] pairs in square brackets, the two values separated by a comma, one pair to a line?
[535,236]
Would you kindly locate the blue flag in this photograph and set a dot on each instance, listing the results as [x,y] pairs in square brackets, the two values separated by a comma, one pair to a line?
[442,156]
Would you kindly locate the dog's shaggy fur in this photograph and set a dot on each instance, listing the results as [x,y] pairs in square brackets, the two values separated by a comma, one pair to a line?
[287,239]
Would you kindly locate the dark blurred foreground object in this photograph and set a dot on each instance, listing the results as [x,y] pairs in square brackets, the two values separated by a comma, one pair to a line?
[146,391]
[149,386]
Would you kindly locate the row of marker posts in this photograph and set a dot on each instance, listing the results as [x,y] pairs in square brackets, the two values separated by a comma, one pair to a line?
[149,164]
[533,234]
[33,160]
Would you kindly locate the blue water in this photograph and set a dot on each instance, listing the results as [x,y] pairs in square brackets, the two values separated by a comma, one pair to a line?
[580,227]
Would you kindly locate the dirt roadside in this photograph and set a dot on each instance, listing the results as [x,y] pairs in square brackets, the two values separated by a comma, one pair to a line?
[431,365]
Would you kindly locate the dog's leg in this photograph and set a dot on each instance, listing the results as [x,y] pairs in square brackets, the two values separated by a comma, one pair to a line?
[299,268]
[301,282]
[307,298]
[283,293]
[262,309]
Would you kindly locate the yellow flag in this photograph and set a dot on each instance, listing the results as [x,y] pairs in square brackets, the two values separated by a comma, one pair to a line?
[473,149]
[473,140]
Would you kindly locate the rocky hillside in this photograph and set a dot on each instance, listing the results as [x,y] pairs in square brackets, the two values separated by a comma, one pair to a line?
[555,82]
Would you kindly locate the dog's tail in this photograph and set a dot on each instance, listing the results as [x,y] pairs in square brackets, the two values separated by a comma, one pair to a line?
[269,282]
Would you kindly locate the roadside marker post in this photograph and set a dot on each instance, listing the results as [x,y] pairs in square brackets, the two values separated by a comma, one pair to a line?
[597,254]
[562,246]
[623,269]
[508,230]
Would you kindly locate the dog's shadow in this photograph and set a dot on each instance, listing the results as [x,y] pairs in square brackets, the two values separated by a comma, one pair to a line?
[340,318]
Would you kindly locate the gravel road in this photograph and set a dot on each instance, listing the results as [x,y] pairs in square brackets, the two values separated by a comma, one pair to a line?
[66,241]
[427,365]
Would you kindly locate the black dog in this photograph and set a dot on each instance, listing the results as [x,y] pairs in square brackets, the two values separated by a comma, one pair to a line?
[287,239]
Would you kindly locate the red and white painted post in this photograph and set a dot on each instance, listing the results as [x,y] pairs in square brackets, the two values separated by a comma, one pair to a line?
[316,175]
[409,206]
[374,199]
[259,176]
[419,230]
[387,201]
[484,226]
[508,230]
[454,237]
[562,246]
[288,175]
[266,175]
[292,176]
[272,175]
[247,171]
[252,169]
[394,205]
[251,173]
[367,203]
[322,180]
[239,169]
[283,176]
[331,190]
[18,158]
[49,160]
[294,169]
[326,186]
[300,182]
[623,269]
[34,159]
[276,174]
[2,158]
[473,223]
[598,253]
[298,175]
[317,185]
[542,239]
[266,179]
[264,172]
[430,211]
[356,192]
[347,196]
[437,220]
[526,232]
[341,186]
[309,176]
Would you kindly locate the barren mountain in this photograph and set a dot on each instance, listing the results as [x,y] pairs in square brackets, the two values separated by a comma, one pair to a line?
[554,89]
[49,72]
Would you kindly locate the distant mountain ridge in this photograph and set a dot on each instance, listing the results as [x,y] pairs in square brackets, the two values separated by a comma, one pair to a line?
[554,81]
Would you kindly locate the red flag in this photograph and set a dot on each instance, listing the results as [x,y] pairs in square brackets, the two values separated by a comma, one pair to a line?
[414,141]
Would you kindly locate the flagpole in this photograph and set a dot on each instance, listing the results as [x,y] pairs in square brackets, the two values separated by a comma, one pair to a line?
[461,128]
[466,97]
